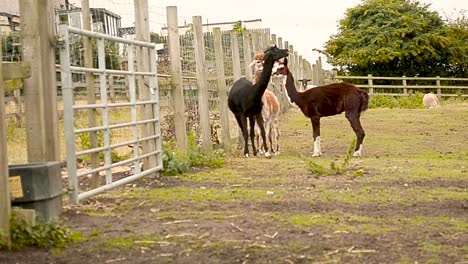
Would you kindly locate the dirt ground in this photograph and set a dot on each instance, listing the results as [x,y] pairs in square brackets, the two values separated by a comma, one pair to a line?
[404,201]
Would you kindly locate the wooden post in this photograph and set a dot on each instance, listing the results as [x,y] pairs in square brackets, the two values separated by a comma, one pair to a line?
[110,80]
[40,92]
[222,88]
[236,69]
[5,203]
[203,95]
[255,44]
[301,68]
[280,42]
[320,71]
[405,89]
[18,107]
[315,78]
[439,88]
[143,61]
[90,90]
[310,74]
[266,40]
[247,55]
[176,78]
[371,83]
[273,39]
[296,67]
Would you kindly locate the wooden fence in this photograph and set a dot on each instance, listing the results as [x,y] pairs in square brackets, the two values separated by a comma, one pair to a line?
[195,70]
[405,86]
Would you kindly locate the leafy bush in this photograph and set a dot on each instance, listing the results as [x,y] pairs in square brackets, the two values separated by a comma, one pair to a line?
[43,234]
[177,162]
[408,102]
[85,143]
[334,168]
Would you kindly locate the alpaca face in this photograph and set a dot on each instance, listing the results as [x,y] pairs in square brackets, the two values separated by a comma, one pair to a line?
[274,53]
[280,67]
[257,66]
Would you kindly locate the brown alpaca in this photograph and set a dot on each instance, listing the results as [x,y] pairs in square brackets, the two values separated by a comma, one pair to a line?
[270,111]
[328,100]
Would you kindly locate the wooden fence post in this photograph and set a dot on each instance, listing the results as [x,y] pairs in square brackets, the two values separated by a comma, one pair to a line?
[255,42]
[273,39]
[247,55]
[18,107]
[40,92]
[371,83]
[90,90]
[176,78]
[110,79]
[236,69]
[222,88]
[280,42]
[143,61]
[266,40]
[439,90]
[203,95]
[405,89]
[301,74]
[320,71]
[5,203]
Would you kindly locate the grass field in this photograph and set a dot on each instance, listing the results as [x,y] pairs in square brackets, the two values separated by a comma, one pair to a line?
[404,201]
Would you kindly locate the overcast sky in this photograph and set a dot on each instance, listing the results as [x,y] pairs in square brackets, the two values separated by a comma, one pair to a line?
[306,24]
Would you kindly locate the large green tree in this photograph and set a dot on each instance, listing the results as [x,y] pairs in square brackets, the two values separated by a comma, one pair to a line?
[395,38]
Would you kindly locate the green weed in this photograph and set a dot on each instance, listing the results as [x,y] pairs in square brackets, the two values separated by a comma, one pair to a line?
[43,234]
[334,168]
[413,101]
[177,162]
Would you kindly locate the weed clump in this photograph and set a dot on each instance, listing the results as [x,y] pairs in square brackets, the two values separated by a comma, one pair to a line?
[42,235]
[177,162]
[413,101]
[334,168]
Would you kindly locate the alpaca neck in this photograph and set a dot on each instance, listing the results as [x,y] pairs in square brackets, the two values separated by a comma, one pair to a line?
[264,79]
[293,94]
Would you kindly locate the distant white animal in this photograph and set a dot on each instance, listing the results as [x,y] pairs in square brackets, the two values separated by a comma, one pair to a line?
[304,86]
[430,100]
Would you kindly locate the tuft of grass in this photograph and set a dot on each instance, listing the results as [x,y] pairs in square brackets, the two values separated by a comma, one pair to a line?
[334,168]
[413,101]
[42,235]
[177,162]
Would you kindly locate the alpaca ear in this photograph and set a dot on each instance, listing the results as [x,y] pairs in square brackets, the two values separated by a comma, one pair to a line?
[285,62]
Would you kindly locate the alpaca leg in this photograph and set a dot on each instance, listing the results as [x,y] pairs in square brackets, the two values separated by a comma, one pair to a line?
[259,119]
[275,137]
[252,134]
[242,122]
[258,138]
[267,126]
[356,125]
[316,129]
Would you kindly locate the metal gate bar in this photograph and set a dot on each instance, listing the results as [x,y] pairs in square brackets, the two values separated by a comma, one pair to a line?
[104,105]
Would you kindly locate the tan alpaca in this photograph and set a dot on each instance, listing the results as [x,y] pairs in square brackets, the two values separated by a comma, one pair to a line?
[270,110]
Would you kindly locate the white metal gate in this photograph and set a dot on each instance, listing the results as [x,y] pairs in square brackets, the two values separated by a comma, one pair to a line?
[77,192]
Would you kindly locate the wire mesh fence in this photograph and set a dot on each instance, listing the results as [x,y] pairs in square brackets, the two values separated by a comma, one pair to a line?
[118,20]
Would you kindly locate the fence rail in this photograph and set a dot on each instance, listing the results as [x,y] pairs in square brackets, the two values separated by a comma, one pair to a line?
[377,85]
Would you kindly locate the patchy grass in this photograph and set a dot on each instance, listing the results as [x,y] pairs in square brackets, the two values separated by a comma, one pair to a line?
[406,203]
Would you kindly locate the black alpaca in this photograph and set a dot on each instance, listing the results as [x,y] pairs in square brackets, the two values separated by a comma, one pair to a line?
[328,100]
[245,100]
